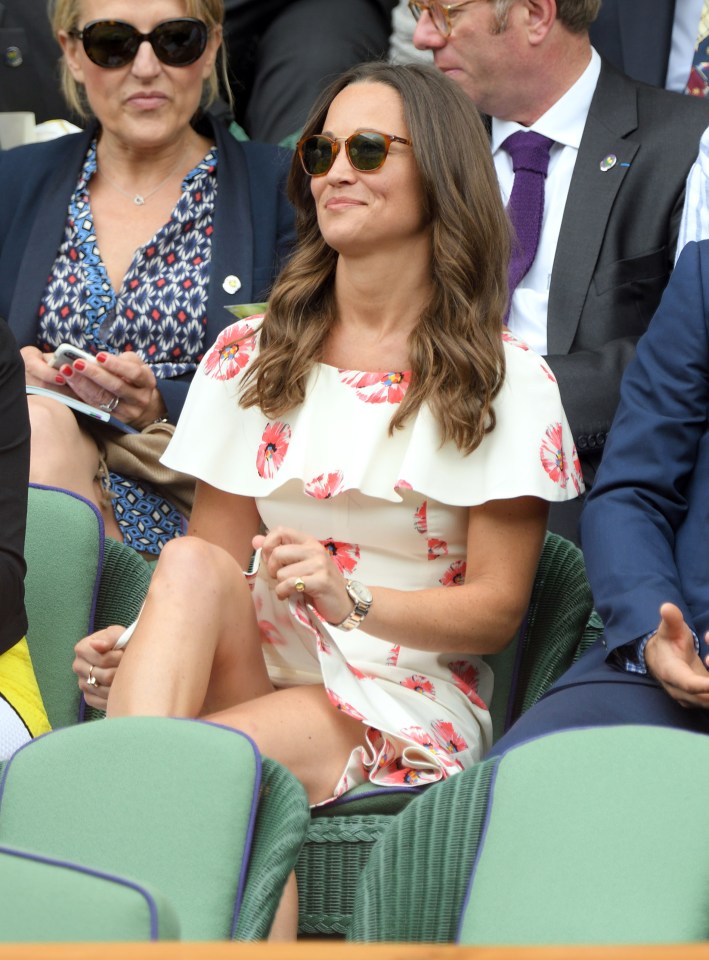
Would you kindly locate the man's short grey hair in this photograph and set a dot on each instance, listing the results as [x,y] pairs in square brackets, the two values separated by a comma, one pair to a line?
[576,15]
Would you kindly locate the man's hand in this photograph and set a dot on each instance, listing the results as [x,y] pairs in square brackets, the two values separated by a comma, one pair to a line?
[673,661]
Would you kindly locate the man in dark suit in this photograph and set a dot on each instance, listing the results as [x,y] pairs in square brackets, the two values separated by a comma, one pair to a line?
[282,53]
[29,61]
[644,533]
[620,155]
[636,37]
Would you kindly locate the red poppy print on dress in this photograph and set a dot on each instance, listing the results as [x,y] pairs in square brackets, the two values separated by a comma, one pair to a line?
[420,521]
[393,657]
[356,672]
[437,548]
[576,475]
[452,741]
[509,337]
[270,634]
[377,387]
[548,372]
[465,677]
[345,555]
[325,486]
[231,352]
[553,456]
[272,449]
[386,755]
[419,735]
[454,575]
[419,683]
[347,708]
[403,485]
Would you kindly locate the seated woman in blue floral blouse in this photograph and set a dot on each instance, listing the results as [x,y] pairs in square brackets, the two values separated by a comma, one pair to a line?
[128,240]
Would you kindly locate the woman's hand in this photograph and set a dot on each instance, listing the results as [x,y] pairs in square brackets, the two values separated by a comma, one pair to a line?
[123,376]
[96,657]
[290,556]
[38,373]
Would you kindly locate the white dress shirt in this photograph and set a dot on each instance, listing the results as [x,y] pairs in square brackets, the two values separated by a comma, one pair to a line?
[564,123]
[695,215]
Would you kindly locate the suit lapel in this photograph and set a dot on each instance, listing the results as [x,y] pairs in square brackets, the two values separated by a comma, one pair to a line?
[592,192]
[233,240]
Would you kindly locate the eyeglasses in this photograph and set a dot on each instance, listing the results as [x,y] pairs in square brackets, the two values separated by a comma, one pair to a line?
[115,43]
[440,13]
[366,150]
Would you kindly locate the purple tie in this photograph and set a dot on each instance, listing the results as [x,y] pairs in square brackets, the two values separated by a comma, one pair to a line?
[530,160]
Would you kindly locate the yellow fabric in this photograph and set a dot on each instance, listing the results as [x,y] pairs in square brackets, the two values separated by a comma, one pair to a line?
[18,685]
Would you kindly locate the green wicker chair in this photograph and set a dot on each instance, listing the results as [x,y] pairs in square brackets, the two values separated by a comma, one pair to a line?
[76,582]
[72,587]
[184,808]
[559,626]
[588,836]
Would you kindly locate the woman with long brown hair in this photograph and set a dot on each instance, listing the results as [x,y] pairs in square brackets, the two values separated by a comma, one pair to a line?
[383,444]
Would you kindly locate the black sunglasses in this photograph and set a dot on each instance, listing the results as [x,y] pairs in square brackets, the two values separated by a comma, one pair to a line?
[366,150]
[115,43]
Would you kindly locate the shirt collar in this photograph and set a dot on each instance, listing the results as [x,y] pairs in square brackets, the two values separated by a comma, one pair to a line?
[565,120]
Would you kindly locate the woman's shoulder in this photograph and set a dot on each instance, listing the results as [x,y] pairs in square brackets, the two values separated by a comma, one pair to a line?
[522,363]
[34,161]
[254,153]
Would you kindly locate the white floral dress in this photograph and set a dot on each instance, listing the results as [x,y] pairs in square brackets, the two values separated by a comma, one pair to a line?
[393,511]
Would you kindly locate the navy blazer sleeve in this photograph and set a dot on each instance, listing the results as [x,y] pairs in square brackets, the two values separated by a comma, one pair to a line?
[640,548]
[14,473]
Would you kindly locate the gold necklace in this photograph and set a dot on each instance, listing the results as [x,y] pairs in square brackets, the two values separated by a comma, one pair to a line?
[138,198]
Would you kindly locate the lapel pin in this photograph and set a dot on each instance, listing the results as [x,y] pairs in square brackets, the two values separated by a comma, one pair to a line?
[608,162]
[231,284]
[13,57]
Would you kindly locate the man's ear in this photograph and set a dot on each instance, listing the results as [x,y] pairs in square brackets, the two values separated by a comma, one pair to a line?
[540,17]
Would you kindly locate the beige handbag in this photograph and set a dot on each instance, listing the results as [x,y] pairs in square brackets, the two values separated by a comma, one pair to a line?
[138,455]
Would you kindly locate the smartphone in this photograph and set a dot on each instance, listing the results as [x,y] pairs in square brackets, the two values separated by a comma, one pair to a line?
[68,353]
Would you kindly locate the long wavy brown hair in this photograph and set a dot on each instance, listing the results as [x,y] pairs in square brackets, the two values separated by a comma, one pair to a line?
[455,349]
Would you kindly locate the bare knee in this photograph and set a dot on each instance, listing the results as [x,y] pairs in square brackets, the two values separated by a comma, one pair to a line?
[196,564]
[61,453]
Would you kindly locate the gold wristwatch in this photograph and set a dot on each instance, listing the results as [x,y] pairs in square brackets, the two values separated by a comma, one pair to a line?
[361,596]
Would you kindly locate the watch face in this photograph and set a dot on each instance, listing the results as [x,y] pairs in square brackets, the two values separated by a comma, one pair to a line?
[358,591]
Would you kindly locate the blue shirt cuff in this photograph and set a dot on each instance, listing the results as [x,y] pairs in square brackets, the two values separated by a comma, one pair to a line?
[631,656]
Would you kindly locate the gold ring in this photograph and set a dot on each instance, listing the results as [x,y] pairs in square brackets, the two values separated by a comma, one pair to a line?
[299,585]
[91,679]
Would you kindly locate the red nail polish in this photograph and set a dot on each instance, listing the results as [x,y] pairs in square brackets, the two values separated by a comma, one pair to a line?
[101,357]
[80,365]
[66,370]
[59,380]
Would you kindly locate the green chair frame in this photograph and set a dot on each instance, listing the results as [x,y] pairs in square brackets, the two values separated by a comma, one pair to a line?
[585,836]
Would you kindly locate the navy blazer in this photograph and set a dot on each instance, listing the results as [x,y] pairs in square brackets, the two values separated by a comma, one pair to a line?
[645,523]
[253,230]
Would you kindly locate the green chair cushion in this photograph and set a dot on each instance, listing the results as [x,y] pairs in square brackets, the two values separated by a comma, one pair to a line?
[593,836]
[169,802]
[64,555]
[45,900]
[412,888]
